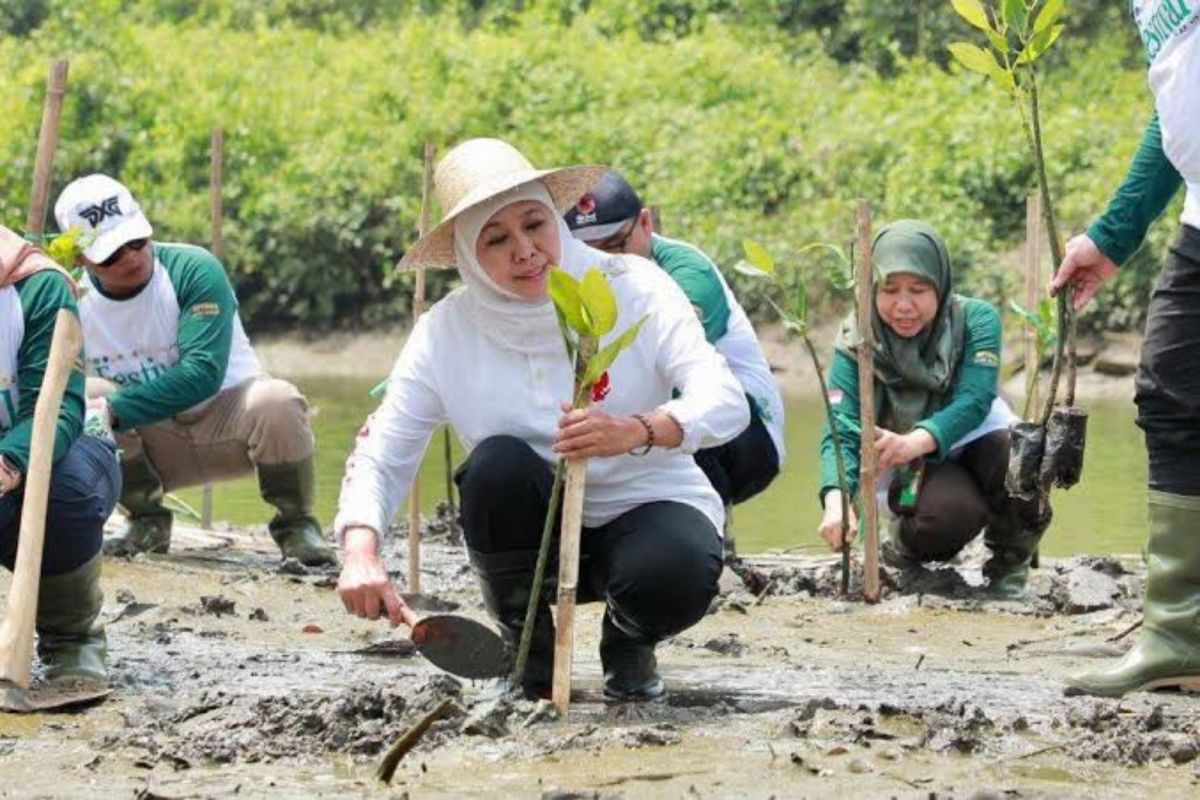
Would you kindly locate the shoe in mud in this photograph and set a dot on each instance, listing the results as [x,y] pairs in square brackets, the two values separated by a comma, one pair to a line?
[630,668]
[302,540]
[150,533]
[1011,585]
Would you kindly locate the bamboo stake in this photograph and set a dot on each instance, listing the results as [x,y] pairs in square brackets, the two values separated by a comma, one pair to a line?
[418,308]
[866,398]
[216,218]
[1033,286]
[43,170]
[568,558]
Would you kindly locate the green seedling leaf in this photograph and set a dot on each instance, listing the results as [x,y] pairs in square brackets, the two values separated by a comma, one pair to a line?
[976,59]
[1040,44]
[751,271]
[972,11]
[1048,15]
[564,291]
[567,337]
[599,302]
[1016,16]
[790,321]
[1030,317]
[378,389]
[801,306]
[1005,80]
[604,358]
[841,274]
[757,255]
[999,41]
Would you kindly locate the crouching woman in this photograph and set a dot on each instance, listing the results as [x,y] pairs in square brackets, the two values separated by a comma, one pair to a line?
[489,359]
[942,444]
[85,480]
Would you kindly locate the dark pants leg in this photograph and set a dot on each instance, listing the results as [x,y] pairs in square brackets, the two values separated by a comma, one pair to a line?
[658,564]
[744,466]
[1168,377]
[84,487]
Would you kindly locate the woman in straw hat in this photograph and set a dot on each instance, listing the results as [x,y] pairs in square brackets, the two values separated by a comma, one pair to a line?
[489,359]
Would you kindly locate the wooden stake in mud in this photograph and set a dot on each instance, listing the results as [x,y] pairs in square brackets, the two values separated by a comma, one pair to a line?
[866,398]
[216,218]
[1033,287]
[418,308]
[43,170]
[16,631]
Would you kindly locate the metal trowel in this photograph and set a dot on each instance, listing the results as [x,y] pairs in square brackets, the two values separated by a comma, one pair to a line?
[458,645]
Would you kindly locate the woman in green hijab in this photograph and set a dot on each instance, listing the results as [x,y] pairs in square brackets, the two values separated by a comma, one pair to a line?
[942,431]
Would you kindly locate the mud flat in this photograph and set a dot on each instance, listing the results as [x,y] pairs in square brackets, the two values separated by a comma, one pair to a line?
[236,676]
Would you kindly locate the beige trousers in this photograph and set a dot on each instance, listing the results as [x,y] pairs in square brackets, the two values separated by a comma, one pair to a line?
[261,421]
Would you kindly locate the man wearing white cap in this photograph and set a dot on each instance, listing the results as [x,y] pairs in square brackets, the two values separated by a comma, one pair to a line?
[175,373]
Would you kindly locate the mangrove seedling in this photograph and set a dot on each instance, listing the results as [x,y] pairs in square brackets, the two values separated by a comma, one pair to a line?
[587,312]
[1017,33]
[1043,321]
[760,264]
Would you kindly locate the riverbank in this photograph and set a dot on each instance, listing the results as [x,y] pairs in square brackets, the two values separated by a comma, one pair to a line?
[236,677]
[1106,372]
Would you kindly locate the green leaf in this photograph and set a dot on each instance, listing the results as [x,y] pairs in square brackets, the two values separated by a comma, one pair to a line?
[565,330]
[1005,80]
[801,306]
[604,358]
[972,11]
[1048,15]
[1039,44]
[790,322]
[976,59]
[564,291]
[1016,15]
[841,274]
[757,255]
[598,301]
[749,270]
[998,41]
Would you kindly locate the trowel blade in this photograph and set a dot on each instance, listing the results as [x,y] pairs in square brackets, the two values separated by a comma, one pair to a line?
[56,695]
[461,646]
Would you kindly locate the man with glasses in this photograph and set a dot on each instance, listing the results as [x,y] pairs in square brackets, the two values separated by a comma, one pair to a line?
[172,371]
[612,218]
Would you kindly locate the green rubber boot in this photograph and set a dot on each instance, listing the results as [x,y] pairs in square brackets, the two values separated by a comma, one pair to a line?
[1167,653]
[149,528]
[1013,537]
[290,488]
[70,643]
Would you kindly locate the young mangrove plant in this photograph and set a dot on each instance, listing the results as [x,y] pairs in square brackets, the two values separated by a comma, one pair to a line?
[587,312]
[760,264]
[1017,33]
[1043,321]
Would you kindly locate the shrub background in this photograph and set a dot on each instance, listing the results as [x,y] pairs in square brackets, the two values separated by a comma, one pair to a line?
[760,119]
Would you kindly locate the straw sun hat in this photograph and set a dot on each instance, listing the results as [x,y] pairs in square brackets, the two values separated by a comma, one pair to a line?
[476,171]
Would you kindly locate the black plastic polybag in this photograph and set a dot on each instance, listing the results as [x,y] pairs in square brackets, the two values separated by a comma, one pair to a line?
[1026,445]
[1066,433]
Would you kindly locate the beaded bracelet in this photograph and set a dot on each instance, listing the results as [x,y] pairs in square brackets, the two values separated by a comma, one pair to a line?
[649,435]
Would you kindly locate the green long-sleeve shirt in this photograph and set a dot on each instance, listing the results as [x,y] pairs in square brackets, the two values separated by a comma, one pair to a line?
[1143,196]
[174,344]
[974,388]
[41,295]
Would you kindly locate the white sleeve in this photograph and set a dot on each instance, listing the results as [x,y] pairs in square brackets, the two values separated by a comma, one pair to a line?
[711,406]
[392,442]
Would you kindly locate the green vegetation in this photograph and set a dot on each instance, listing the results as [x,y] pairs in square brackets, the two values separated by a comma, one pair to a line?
[760,119]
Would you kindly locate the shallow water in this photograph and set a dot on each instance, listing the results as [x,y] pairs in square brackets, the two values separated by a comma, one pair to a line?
[1104,514]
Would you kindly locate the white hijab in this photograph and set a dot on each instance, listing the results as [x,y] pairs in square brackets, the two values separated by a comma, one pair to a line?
[511,321]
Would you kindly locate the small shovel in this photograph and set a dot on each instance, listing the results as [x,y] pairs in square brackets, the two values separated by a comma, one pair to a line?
[458,645]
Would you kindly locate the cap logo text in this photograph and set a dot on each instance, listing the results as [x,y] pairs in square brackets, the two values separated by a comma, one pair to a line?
[96,214]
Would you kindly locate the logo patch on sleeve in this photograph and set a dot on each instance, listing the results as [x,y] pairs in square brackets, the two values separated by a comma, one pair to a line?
[835,396]
[987,358]
[205,309]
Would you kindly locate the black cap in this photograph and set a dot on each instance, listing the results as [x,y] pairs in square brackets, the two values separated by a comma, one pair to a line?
[601,212]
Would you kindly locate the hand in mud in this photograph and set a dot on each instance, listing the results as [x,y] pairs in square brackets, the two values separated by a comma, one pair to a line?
[591,433]
[364,585]
[831,523]
[894,449]
[1086,267]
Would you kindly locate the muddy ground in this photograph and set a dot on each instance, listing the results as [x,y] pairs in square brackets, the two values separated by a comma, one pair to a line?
[236,677]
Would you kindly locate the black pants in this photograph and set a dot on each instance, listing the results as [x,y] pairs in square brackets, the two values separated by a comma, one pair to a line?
[959,498]
[744,466]
[84,487]
[1168,377]
[657,564]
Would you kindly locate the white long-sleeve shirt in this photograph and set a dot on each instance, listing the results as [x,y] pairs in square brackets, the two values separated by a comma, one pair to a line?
[450,371]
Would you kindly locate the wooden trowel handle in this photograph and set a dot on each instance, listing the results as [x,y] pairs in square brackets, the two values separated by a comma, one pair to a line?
[16,632]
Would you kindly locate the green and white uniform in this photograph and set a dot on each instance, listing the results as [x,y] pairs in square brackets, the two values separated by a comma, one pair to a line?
[173,345]
[726,327]
[28,311]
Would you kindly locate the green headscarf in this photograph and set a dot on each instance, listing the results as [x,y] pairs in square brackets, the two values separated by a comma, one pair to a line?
[913,377]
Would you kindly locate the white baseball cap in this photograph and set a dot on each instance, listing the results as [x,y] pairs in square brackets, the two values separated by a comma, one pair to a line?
[106,213]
